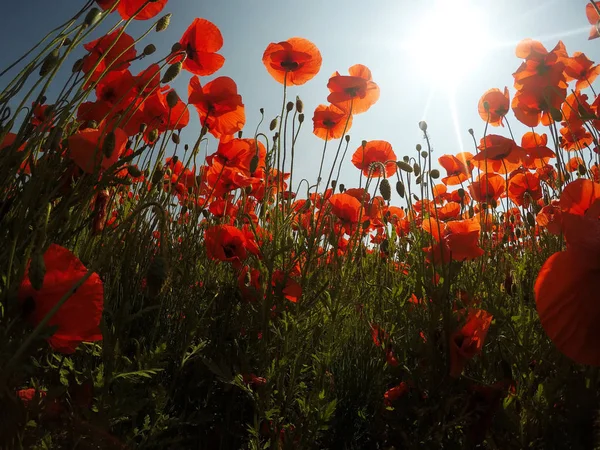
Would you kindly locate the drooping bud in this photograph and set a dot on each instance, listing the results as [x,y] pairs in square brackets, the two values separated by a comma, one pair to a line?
[171,73]
[404,166]
[37,270]
[149,49]
[49,63]
[163,23]
[172,99]
[92,17]
[299,105]
[385,189]
[400,188]
[108,146]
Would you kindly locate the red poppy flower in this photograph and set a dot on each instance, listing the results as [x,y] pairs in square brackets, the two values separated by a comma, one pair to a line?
[579,67]
[498,154]
[575,138]
[296,61]
[330,122]
[85,148]
[128,8]
[567,285]
[289,288]
[113,51]
[549,218]
[201,42]
[366,158]
[523,188]
[468,341]
[219,105]
[493,106]
[488,188]
[593,19]
[345,207]
[535,105]
[79,317]
[541,69]
[159,116]
[536,150]
[456,240]
[458,168]
[395,393]
[354,93]
[239,153]
[226,243]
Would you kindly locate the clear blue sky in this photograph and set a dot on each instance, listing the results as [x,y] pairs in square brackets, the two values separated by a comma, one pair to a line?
[346,32]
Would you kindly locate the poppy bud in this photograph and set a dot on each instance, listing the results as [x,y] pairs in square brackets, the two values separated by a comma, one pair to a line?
[134,171]
[347,138]
[404,166]
[342,187]
[175,139]
[240,134]
[299,105]
[581,169]
[49,63]
[157,175]
[486,106]
[460,192]
[171,73]
[406,158]
[333,184]
[172,98]
[300,118]
[556,114]
[143,127]
[435,174]
[385,190]
[471,132]
[424,154]
[156,276]
[530,219]
[66,43]
[273,124]
[289,106]
[108,146]
[418,147]
[423,125]
[37,270]
[417,169]
[92,17]
[366,223]
[400,188]
[163,23]
[418,179]
[175,159]
[254,164]
[153,136]
[364,144]
[77,66]
[149,49]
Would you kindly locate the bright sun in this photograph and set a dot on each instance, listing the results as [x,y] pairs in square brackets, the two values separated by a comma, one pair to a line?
[447,41]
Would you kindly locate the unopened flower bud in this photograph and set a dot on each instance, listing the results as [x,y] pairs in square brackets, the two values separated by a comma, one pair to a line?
[49,63]
[400,188]
[347,137]
[385,189]
[300,118]
[108,146]
[404,166]
[254,164]
[149,49]
[77,66]
[175,139]
[176,47]
[417,169]
[273,124]
[171,73]
[423,125]
[289,106]
[435,174]
[299,105]
[163,23]
[424,154]
[153,136]
[92,17]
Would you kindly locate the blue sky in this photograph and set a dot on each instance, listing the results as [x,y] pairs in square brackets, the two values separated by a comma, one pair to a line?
[346,32]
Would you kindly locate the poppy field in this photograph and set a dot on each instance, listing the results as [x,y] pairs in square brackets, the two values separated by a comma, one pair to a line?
[155,295]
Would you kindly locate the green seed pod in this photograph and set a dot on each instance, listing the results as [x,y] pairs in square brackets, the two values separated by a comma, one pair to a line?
[417,169]
[400,188]
[108,146]
[149,49]
[163,23]
[49,63]
[171,73]
[435,174]
[385,189]
[37,270]
[172,99]
[404,166]
[92,17]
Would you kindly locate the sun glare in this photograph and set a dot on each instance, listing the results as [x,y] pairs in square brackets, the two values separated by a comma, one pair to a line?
[447,41]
